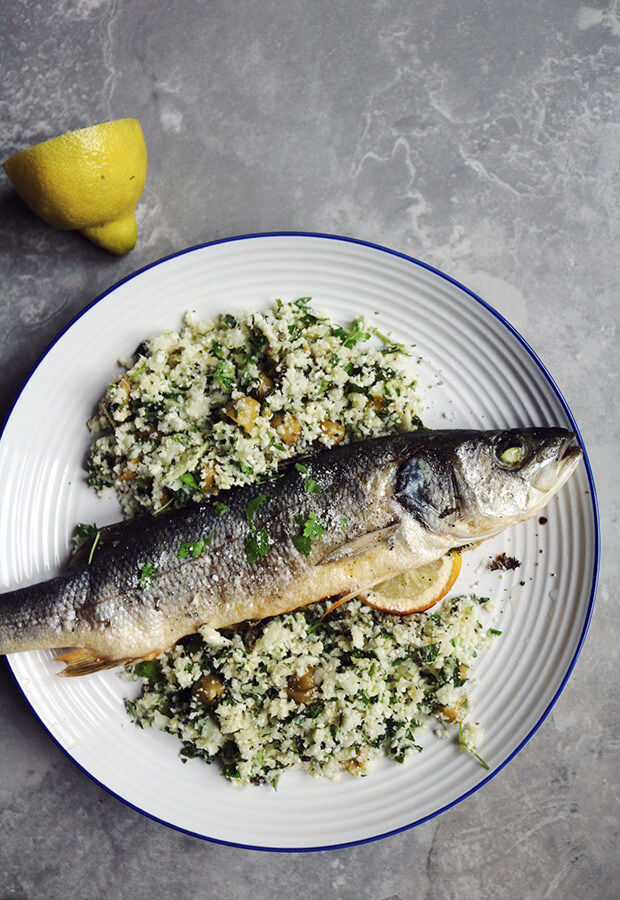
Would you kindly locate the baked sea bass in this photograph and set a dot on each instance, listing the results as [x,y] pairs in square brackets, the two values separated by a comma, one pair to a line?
[331,525]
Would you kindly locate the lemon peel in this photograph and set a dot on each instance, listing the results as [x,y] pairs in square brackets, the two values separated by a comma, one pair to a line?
[88,180]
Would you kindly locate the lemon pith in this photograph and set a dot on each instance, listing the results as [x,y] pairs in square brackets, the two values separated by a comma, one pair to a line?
[90,179]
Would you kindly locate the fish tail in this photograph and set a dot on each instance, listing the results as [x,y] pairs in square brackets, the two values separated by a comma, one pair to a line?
[41,616]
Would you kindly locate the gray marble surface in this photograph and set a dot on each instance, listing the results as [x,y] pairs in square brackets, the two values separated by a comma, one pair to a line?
[481,137]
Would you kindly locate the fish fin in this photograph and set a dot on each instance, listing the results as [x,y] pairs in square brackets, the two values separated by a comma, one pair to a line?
[362,546]
[339,602]
[84,662]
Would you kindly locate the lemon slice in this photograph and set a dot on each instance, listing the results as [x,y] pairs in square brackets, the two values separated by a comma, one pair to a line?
[416,590]
[90,180]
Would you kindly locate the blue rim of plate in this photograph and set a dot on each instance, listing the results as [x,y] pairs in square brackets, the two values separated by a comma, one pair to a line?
[593,499]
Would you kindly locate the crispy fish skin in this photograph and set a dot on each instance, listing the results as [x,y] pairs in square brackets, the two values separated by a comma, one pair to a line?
[386,505]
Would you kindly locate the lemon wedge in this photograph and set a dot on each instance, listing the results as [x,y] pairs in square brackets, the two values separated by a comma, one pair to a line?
[90,180]
[416,590]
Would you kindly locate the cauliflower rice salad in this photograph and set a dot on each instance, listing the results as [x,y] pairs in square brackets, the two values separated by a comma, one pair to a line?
[222,403]
[326,695]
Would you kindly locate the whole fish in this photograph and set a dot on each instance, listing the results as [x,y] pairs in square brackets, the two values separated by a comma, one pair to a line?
[331,525]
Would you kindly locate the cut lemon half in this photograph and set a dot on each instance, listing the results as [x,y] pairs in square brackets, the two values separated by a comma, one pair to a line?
[90,179]
[416,590]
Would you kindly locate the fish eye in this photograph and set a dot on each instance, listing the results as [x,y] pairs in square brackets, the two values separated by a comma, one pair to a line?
[511,451]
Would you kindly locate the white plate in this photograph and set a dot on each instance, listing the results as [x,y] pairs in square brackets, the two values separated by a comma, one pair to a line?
[476,371]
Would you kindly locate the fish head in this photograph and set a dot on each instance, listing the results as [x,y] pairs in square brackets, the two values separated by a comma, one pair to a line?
[474,484]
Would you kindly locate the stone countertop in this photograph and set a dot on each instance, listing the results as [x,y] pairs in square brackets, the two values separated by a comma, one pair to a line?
[482,138]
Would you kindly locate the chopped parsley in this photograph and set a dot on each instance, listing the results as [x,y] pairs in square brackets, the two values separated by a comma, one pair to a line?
[310,529]
[253,505]
[146,574]
[429,653]
[83,531]
[308,317]
[193,548]
[224,374]
[354,336]
[220,508]
[256,545]
[188,479]
[311,486]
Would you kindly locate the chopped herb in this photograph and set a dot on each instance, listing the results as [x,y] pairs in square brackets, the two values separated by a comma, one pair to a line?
[94,547]
[401,660]
[494,631]
[308,317]
[457,681]
[83,531]
[132,709]
[311,486]
[392,346]
[310,529]
[354,336]
[165,506]
[230,320]
[247,470]
[220,508]
[217,349]
[429,653]
[224,374]
[146,574]
[253,505]
[354,388]
[188,479]
[469,750]
[189,751]
[315,709]
[301,468]
[256,545]
[193,548]
[343,523]
[357,653]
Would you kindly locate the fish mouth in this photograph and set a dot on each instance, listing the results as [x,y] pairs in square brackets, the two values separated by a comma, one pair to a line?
[555,465]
